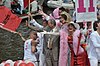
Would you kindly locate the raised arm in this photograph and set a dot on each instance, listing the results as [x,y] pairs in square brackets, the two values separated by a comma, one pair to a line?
[33,27]
[21,36]
[47,17]
[33,22]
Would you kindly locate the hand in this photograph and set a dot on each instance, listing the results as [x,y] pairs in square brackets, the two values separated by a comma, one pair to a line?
[41,12]
[19,33]
[44,31]
[29,14]
[37,40]
[34,43]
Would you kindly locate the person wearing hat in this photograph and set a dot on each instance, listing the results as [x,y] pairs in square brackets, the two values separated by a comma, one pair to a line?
[75,39]
[64,50]
[70,30]
[56,15]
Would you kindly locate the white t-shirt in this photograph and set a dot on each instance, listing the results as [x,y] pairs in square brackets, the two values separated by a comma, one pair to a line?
[28,55]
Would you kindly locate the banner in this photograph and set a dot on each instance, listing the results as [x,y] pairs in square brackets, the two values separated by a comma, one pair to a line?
[86,10]
[8,20]
[26,3]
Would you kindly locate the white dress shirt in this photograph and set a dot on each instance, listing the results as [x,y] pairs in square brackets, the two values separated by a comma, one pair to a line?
[94,50]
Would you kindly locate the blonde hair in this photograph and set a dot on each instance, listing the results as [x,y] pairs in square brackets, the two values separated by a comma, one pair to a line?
[69,19]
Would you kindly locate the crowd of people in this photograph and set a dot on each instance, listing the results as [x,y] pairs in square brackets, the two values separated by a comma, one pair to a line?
[60,40]
[65,42]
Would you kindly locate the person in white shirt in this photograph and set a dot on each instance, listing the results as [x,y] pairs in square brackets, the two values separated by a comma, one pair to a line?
[94,50]
[30,48]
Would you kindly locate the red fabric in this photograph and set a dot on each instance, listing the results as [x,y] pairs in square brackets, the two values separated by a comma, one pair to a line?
[8,20]
[3,13]
[78,59]
[70,39]
[82,60]
[26,3]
